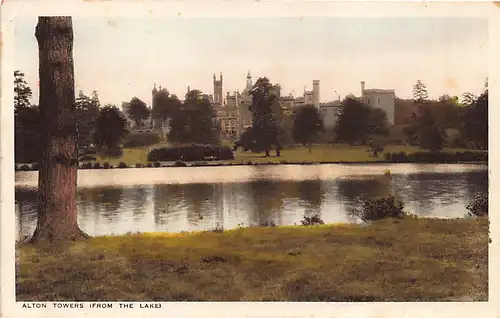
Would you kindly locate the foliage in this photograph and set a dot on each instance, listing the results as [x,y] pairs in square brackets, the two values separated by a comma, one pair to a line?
[111,152]
[27,134]
[195,121]
[110,127]
[180,163]
[138,111]
[475,122]
[438,157]
[313,220]
[191,153]
[307,125]
[122,165]
[479,207]
[377,209]
[420,94]
[22,92]
[87,111]
[265,115]
[133,140]
[425,132]
[358,121]
[165,105]
[87,158]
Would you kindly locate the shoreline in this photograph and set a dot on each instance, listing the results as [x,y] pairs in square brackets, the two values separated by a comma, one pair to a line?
[333,262]
[285,163]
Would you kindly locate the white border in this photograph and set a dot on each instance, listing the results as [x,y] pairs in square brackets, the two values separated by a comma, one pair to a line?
[11,9]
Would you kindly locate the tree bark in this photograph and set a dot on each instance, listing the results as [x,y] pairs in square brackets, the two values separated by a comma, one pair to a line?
[57,214]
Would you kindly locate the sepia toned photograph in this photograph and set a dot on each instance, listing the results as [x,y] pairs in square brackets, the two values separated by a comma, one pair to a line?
[277,159]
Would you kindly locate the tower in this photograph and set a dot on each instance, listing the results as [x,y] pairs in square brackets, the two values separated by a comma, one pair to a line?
[316,93]
[249,82]
[218,91]
[362,89]
[153,94]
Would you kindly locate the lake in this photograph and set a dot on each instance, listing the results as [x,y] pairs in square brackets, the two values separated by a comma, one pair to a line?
[118,201]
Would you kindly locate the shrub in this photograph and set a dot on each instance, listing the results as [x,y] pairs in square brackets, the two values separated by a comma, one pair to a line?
[269,223]
[377,209]
[479,207]
[122,165]
[313,220]
[141,139]
[24,168]
[437,157]
[157,164]
[191,153]
[179,163]
[138,165]
[86,165]
[105,165]
[149,165]
[96,165]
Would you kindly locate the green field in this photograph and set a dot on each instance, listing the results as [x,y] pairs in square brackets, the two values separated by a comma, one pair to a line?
[389,260]
[320,153]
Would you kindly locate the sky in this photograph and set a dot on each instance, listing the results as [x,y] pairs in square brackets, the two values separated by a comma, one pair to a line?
[122,58]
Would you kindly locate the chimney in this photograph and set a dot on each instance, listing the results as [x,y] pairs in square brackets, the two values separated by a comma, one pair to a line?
[362,88]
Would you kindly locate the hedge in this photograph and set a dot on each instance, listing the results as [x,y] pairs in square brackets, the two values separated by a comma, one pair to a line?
[437,157]
[191,153]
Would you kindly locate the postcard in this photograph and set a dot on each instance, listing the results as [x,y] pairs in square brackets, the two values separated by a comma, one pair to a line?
[257,159]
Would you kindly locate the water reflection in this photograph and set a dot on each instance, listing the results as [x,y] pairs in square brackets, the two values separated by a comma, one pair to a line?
[270,194]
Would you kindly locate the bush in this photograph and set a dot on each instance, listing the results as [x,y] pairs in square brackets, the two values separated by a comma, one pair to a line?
[105,165]
[377,209]
[191,153]
[138,165]
[24,168]
[122,165]
[149,165]
[479,207]
[96,165]
[86,165]
[313,220]
[141,139]
[269,223]
[438,157]
[156,164]
[179,163]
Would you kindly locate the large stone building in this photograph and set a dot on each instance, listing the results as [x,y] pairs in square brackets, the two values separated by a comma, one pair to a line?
[382,98]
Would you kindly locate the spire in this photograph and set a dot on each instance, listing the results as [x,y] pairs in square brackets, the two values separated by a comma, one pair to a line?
[248,75]
[214,78]
[154,88]
[221,76]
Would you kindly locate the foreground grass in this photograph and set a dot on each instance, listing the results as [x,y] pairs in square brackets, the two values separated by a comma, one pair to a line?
[408,260]
[298,154]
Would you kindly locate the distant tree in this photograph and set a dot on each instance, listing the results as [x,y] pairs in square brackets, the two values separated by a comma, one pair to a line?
[110,127]
[475,122]
[195,121]
[420,94]
[22,92]
[265,115]
[27,134]
[468,99]
[426,132]
[138,111]
[27,123]
[307,125]
[57,178]
[165,105]
[87,110]
[357,122]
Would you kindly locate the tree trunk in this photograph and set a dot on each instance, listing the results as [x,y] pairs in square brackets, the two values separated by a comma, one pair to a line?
[267,153]
[57,215]
[310,147]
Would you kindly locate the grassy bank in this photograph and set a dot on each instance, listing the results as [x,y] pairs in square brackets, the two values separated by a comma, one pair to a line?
[320,153]
[407,260]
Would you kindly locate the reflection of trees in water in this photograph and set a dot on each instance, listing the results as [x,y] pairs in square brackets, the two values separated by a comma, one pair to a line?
[312,194]
[370,187]
[477,182]
[201,198]
[105,201]
[26,206]
[138,199]
[167,199]
[267,197]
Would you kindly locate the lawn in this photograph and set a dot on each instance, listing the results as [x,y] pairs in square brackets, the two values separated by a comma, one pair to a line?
[389,260]
[320,153]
